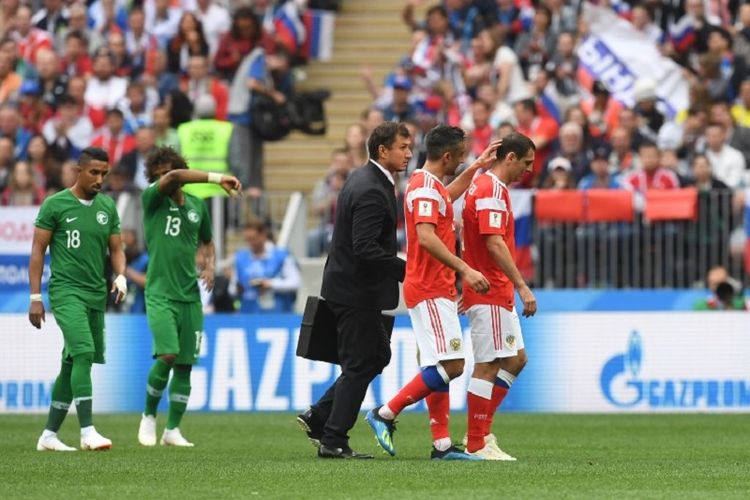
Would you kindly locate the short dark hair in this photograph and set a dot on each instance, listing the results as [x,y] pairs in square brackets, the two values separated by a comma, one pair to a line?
[517,143]
[92,154]
[257,225]
[649,145]
[527,104]
[164,155]
[443,139]
[385,135]
[115,112]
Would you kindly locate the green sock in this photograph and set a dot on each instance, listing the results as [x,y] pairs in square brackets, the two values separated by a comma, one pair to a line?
[179,393]
[80,381]
[157,381]
[62,395]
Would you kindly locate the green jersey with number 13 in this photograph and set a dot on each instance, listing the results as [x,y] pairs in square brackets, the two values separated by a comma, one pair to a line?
[173,233]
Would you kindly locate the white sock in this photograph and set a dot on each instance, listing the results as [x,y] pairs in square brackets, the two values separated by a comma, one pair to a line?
[506,376]
[46,433]
[85,431]
[442,444]
[386,412]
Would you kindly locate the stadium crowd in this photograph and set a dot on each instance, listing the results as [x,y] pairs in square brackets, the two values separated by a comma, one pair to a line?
[492,67]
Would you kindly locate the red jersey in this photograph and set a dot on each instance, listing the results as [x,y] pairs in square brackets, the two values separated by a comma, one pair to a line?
[487,210]
[427,200]
[661,178]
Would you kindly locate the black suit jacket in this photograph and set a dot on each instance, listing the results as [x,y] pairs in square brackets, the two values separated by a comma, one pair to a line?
[362,269]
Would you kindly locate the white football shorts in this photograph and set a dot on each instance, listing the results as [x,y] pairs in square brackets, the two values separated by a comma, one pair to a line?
[437,330]
[495,332]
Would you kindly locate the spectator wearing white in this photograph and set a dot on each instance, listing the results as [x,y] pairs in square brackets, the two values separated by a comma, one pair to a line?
[737,137]
[70,131]
[104,90]
[106,14]
[78,21]
[216,21]
[162,19]
[642,21]
[52,17]
[511,84]
[199,82]
[728,163]
[139,42]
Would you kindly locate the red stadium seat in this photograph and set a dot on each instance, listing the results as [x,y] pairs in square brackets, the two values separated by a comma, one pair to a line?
[673,204]
[558,206]
[609,205]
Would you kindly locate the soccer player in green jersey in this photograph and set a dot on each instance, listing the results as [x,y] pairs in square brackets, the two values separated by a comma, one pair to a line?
[177,225]
[79,226]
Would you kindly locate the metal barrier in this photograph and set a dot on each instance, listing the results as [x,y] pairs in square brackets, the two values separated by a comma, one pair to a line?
[642,254]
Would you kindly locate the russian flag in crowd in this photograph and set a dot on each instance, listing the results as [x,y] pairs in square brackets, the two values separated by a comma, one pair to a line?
[747,231]
[289,28]
[319,25]
[682,33]
[521,202]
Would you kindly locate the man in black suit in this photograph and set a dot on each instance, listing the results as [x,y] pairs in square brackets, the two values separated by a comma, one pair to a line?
[134,162]
[360,280]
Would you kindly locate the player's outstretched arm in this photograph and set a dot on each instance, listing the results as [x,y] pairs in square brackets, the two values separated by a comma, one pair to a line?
[117,257]
[173,179]
[463,181]
[39,245]
[434,245]
[501,255]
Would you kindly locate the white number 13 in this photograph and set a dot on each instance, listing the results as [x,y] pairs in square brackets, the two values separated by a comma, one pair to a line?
[173,226]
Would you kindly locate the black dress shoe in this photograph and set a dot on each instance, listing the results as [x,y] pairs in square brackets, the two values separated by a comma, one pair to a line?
[310,426]
[326,452]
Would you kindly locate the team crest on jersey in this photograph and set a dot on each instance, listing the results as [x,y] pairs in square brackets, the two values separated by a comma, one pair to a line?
[193,216]
[456,344]
[102,218]
[496,219]
[425,209]
[510,340]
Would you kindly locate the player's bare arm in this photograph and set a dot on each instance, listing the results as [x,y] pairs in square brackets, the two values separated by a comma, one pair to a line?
[435,247]
[117,257]
[501,255]
[39,245]
[463,181]
[207,263]
[169,182]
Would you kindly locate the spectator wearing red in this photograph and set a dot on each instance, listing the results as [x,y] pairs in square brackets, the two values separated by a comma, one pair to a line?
[542,131]
[602,111]
[198,82]
[29,38]
[481,136]
[22,189]
[623,159]
[245,34]
[75,60]
[650,175]
[113,138]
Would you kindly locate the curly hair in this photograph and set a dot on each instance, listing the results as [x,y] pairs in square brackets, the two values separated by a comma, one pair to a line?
[164,155]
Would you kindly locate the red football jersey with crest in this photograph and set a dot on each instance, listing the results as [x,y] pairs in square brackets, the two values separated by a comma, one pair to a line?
[427,201]
[487,211]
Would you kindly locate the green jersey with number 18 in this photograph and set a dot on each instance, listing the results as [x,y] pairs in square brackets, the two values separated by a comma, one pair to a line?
[79,246]
[173,233]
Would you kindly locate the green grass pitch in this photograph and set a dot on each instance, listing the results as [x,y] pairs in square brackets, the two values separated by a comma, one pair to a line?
[267,456]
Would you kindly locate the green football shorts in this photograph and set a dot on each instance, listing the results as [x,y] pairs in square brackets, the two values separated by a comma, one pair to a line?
[82,328]
[176,328]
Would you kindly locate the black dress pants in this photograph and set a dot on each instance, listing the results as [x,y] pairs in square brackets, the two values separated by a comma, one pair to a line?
[364,350]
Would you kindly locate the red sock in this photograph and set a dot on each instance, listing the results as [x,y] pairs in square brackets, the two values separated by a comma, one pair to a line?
[498,394]
[414,391]
[478,409]
[439,407]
